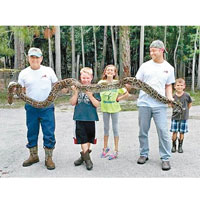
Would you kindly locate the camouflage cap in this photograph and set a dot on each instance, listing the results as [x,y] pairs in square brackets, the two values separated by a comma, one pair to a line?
[158,44]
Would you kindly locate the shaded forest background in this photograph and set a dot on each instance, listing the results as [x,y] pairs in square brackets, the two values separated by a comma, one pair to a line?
[68,48]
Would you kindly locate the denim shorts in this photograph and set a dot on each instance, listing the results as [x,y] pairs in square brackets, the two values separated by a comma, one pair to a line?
[180,126]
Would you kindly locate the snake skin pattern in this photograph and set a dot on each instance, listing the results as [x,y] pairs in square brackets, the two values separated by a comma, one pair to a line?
[67,83]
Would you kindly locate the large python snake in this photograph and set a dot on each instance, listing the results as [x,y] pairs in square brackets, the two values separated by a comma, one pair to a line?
[67,83]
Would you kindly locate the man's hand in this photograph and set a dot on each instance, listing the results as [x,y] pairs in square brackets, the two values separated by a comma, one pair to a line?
[170,104]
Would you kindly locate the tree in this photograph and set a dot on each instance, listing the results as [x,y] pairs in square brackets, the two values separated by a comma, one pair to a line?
[141,45]
[6,36]
[165,39]
[114,47]
[77,67]
[104,49]
[124,51]
[19,61]
[73,52]
[193,61]
[58,52]
[82,44]
[49,35]
[198,74]
[175,66]
[95,54]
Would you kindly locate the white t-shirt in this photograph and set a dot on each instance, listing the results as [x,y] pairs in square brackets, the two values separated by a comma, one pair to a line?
[38,83]
[157,75]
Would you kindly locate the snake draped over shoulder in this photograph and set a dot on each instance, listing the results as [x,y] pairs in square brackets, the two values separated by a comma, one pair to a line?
[16,88]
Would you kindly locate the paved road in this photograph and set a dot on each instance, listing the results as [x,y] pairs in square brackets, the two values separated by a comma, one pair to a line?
[13,150]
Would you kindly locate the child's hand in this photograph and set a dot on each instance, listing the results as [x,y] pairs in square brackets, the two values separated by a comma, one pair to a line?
[64,91]
[89,94]
[74,89]
[128,87]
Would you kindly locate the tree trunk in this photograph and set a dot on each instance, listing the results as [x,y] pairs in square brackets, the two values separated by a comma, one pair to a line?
[181,71]
[19,51]
[95,55]
[51,64]
[114,47]
[141,45]
[124,51]
[104,49]
[116,39]
[73,53]
[175,66]
[198,73]
[77,67]
[165,40]
[193,61]
[58,53]
[116,36]
[50,54]
[19,61]
[82,44]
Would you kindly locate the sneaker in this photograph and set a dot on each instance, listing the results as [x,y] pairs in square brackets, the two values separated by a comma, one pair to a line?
[142,159]
[105,153]
[166,165]
[113,155]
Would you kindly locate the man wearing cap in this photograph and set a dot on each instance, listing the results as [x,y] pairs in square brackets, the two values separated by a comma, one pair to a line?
[37,81]
[159,74]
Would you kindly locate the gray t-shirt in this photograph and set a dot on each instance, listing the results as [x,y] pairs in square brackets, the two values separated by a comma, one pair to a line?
[185,99]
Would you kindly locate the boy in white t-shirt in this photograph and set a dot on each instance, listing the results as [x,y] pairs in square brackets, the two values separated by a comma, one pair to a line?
[159,74]
[37,81]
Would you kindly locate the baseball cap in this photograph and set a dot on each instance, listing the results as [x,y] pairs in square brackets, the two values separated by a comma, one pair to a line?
[158,44]
[35,52]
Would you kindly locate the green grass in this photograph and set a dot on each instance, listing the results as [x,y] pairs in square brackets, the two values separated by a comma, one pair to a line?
[128,105]
[195,97]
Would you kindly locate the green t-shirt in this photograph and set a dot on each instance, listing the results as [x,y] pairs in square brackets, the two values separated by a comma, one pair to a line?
[108,99]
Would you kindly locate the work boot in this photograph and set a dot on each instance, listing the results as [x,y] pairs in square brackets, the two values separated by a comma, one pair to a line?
[33,158]
[180,143]
[80,160]
[173,146]
[48,158]
[87,159]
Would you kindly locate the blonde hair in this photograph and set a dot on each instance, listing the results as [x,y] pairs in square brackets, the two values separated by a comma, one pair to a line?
[180,80]
[115,77]
[86,70]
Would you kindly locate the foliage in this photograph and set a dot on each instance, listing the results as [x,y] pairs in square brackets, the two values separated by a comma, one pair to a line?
[5,42]
[37,36]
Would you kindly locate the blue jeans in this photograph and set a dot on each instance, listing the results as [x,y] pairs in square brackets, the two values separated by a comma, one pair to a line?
[159,115]
[45,117]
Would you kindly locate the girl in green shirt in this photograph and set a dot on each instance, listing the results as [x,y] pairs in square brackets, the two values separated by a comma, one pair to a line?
[110,107]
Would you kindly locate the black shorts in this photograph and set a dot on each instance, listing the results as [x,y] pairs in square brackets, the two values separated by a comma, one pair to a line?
[85,132]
